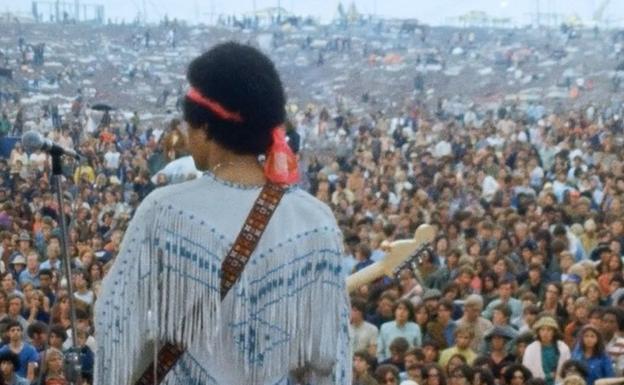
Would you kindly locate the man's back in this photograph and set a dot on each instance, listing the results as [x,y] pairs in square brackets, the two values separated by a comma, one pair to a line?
[266,326]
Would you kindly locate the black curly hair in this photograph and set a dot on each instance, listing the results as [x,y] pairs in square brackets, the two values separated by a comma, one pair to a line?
[244,80]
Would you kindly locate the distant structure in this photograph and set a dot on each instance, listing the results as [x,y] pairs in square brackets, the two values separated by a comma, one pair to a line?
[67,11]
[482,19]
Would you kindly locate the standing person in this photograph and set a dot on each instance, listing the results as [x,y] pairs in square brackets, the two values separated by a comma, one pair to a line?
[590,350]
[165,282]
[545,357]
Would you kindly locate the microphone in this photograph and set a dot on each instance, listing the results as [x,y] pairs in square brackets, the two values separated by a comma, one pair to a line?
[33,141]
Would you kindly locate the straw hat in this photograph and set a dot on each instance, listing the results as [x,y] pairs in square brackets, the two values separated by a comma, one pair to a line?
[546,322]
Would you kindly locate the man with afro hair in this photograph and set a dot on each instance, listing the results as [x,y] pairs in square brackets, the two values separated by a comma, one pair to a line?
[164,286]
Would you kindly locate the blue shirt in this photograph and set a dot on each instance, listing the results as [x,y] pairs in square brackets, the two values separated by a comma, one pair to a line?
[26,356]
[390,330]
[449,333]
[598,366]
[17,380]
[51,266]
[26,277]
[514,304]
[360,265]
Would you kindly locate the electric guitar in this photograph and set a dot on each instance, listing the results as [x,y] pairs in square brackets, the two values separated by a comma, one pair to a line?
[399,254]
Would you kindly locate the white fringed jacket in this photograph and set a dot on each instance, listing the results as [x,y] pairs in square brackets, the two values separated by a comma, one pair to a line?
[288,310]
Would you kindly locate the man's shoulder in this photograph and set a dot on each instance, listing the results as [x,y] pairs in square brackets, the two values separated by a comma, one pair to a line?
[494,303]
[389,325]
[484,322]
[448,351]
[367,326]
[29,349]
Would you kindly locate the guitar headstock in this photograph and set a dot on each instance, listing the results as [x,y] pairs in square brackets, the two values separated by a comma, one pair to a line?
[399,251]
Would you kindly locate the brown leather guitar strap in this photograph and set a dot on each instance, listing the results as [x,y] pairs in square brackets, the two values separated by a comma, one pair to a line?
[231,269]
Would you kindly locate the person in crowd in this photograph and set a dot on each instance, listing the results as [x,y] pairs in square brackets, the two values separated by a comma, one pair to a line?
[590,350]
[53,372]
[464,335]
[387,374]
[400,327]
[433,374]
[9,362]
[362,368]
[26,354]
[546,355]
[363,334]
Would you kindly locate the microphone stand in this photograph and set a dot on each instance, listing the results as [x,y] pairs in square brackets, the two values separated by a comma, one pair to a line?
[72,357]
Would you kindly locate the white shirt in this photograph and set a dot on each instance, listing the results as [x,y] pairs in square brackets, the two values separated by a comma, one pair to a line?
[112,159]
[38,160]
[363,336]
[441,149]
[489,187]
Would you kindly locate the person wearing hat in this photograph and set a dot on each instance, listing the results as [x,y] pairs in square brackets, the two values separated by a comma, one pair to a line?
[430,300]
[9,362]
[17,265]
[546,355]
[496,341]
[24,242]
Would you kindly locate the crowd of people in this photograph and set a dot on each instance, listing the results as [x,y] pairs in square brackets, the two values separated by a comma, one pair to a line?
[523,284]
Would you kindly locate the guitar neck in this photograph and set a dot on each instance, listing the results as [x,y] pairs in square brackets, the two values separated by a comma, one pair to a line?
[364,276]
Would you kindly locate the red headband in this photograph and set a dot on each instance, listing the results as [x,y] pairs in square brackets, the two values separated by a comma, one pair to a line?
[214,106]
